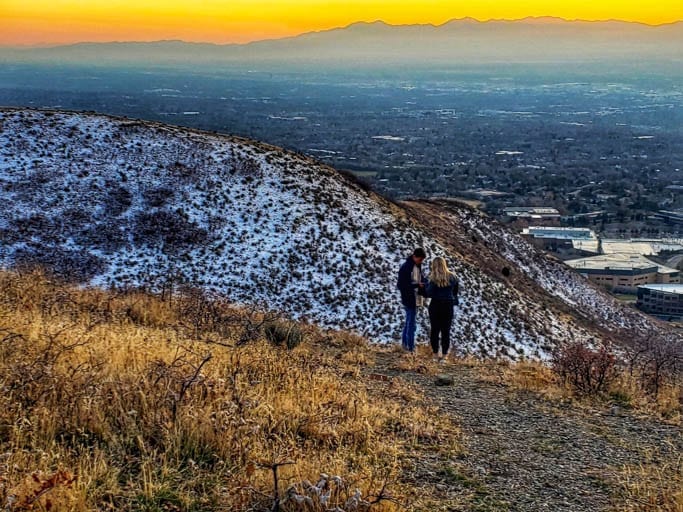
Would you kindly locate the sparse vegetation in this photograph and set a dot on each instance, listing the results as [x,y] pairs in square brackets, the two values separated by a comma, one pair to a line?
[109,401]
[656,483]
[653,486]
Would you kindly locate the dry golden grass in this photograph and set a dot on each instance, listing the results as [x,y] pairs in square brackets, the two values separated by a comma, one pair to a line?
[124,402]
[419,362]
[668,405]
[625,391]
[653,487]
[531,376]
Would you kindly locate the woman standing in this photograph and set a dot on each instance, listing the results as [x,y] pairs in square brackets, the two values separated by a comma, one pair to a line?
[443,290]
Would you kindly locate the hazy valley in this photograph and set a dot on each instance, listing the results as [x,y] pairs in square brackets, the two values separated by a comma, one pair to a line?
[574,119]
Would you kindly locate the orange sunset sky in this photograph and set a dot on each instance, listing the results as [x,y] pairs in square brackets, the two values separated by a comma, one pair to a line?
[25,22]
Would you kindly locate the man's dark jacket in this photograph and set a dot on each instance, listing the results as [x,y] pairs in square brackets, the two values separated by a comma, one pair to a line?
[405,283]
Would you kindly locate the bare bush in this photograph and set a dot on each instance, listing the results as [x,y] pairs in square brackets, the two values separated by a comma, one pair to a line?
[657,360]
[587,371]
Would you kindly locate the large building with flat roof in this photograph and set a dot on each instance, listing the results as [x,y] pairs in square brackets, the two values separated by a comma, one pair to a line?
[644,246]
[662,300]
[524,215]
[557,238]
[531,212]
[624,273]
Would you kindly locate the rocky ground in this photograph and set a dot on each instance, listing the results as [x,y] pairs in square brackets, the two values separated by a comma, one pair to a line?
[527,453]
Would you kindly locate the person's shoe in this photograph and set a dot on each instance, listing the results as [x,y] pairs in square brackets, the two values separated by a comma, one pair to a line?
[443,360]
[435,358]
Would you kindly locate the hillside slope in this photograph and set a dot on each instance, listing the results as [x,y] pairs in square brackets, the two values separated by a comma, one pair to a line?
[116,202]
[120,401]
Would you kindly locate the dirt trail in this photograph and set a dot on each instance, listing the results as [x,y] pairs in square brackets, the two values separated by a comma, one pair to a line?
[525,453]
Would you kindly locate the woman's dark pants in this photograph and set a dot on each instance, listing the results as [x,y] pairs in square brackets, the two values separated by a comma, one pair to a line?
[441,318]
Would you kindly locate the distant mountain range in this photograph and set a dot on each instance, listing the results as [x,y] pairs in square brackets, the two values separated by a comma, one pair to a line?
[119,202]
[458,41]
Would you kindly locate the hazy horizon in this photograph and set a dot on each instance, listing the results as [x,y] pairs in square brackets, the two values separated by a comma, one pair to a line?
[43,23]
[547,18]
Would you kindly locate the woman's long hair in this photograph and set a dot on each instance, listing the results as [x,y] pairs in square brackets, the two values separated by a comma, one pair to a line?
[439,273]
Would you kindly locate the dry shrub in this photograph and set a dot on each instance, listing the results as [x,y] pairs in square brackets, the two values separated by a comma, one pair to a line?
[345,340]
[588,372]
[147,418]
[283,334]
[627,388]
[658,362]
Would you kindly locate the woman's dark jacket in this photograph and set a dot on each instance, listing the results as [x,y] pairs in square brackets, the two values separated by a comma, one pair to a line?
[444,293]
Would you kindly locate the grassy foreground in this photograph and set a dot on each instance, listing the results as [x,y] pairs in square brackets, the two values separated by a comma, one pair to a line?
[122,401]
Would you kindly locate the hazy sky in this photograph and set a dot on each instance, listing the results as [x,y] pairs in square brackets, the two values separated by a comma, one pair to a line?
[223,21]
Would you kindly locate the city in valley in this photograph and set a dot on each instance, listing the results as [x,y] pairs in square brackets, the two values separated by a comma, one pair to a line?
[596,152]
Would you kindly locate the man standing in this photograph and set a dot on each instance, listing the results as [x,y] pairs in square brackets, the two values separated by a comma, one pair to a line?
[410,282]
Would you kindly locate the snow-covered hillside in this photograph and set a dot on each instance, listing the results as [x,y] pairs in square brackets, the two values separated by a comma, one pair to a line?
[533,272]
[119,202]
